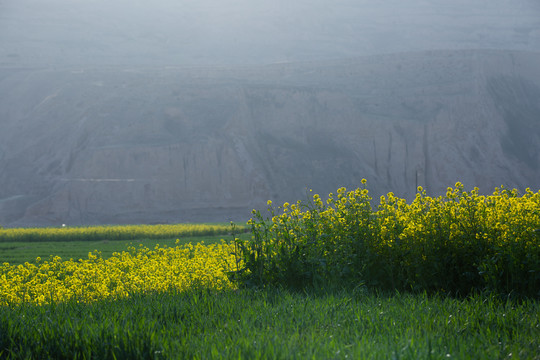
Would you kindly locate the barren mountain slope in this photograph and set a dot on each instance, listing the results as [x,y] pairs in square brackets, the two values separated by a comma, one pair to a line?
[127,145]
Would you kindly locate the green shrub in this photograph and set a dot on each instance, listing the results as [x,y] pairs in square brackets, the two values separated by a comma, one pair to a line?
[459,243]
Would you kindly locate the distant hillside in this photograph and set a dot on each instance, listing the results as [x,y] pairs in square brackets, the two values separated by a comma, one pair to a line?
[126,145]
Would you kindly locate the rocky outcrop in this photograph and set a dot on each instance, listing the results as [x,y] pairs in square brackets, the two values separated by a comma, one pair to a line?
[130,145]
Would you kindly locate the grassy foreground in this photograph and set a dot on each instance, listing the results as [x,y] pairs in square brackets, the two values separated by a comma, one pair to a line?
[273,324]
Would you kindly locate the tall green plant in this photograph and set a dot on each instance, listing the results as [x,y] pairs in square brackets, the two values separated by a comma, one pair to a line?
[308,243]
[459,243]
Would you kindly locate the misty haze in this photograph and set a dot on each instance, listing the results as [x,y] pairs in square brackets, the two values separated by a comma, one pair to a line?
[144,111]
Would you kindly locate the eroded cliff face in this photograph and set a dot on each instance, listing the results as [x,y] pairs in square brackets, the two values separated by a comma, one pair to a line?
[118,145]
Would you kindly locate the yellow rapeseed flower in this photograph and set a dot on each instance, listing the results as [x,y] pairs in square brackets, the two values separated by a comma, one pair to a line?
[125,273]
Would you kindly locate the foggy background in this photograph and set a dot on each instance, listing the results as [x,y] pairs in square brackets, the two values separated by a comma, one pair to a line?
[240,32]
[156,111]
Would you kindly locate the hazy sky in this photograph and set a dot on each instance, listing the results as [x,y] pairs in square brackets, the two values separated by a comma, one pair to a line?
[190,32]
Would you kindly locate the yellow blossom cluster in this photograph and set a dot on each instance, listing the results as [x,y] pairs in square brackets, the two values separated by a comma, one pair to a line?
[456,242]
[463,217]
[137,270]
[340,217]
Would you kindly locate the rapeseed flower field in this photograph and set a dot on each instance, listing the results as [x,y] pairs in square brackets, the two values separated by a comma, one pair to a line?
[116,232]
[458,243]
[139,270]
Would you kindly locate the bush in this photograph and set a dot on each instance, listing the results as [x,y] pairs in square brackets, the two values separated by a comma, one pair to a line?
[459,243]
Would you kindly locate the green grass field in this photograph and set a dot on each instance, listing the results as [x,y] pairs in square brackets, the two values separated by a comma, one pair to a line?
[274,324]
[263,324]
